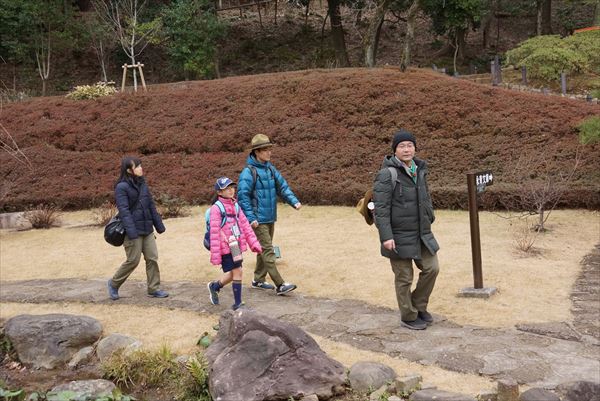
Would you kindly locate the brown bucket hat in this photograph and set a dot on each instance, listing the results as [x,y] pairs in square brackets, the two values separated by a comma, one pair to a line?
[362,207]
[260,141]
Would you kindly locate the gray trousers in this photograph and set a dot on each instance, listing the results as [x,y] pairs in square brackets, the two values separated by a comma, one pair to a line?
[146,245]
[412,302]
[265,261]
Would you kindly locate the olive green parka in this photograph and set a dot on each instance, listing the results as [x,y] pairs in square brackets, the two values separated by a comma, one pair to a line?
[406,214]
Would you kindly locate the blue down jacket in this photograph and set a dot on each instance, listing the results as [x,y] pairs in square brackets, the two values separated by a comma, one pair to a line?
[138,219]
[259,199]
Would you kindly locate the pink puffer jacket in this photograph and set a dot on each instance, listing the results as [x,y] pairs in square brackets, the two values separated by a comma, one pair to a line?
[218,244]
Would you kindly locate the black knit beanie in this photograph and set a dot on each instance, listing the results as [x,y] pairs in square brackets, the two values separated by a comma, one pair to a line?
[402,136]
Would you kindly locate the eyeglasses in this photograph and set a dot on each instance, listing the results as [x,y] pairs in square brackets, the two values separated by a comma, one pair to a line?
[406,145]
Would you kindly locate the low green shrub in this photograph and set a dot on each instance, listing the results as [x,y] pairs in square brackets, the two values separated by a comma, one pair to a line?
[141,367]
[159,369]
[547,64]
[545,57]
[91,91]
[588,45]
[20,395]
[589,130]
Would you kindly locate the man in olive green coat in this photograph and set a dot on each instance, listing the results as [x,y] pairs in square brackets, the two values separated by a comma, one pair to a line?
[403,216]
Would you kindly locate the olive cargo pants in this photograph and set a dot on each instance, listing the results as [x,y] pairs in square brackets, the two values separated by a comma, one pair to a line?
[410,303]
[134,248]
[265,261]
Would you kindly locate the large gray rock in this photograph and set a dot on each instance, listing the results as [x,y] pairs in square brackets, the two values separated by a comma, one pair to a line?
[87,389]
[438,395]
[369,376]
[15,220]
[114,342]
[580,391]
[255,358]
[50,341]
[538,394]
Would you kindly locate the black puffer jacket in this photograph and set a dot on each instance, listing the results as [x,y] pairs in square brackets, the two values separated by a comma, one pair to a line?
[138,218]
[406,214]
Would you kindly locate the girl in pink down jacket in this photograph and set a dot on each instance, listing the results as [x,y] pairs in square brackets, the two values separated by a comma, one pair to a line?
[236,232]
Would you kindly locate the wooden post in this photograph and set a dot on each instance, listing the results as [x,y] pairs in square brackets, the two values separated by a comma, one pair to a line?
[474,222]
[124,76]
[493,71]
[524,75]
[563,83]
[498,69]
[139,66]
[276,12]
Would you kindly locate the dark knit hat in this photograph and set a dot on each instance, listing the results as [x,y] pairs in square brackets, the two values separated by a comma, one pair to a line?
[402,136]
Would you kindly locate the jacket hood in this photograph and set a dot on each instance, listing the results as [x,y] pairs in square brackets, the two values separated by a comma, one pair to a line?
[392,161]
[255,163]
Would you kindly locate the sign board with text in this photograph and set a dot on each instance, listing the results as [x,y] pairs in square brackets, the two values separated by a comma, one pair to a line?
[483,179]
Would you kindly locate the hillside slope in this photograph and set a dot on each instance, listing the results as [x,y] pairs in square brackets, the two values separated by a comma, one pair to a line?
[332,129]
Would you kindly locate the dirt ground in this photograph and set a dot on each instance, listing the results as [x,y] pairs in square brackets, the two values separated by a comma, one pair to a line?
[344,266]
[330,252]
[332,129]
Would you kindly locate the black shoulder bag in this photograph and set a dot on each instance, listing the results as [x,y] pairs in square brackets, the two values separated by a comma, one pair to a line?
[114,232]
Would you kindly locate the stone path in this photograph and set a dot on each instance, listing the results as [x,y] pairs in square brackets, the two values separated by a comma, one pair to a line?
[537,355]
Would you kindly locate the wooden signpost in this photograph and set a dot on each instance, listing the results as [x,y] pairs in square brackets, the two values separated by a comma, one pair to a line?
[476,184]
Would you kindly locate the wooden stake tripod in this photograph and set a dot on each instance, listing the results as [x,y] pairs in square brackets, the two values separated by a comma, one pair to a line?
[139,67]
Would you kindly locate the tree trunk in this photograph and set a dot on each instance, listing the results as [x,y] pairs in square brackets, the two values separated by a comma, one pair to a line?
[597,14]
[547,17]
[410,34]
[371,37]
[461,44]
[102,58]
[43,87]
[486,25]
[538,29]
[337,33]
[134,70]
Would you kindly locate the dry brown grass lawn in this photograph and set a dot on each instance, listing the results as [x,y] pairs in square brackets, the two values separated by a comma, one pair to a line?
[329,252]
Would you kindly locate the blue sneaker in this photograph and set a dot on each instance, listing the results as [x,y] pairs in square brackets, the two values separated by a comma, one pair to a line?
[158,294]
[285,288]
[213,293]
[238,306]
[113,292]
[263,285]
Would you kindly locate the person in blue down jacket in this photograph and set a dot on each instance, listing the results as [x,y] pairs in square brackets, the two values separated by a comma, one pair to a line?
[139,216]
[258,187]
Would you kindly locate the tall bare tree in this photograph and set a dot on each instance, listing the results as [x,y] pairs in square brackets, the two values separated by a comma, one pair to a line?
[43,50]
[337,33]
[124,17]
[101,40]
[410,34]
[371,39]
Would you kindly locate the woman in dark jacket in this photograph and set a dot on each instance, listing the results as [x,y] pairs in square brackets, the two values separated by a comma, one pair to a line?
[139,216]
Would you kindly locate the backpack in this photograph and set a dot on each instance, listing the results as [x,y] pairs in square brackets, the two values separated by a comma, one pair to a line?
[223,220]
[255,176]
[362,206]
